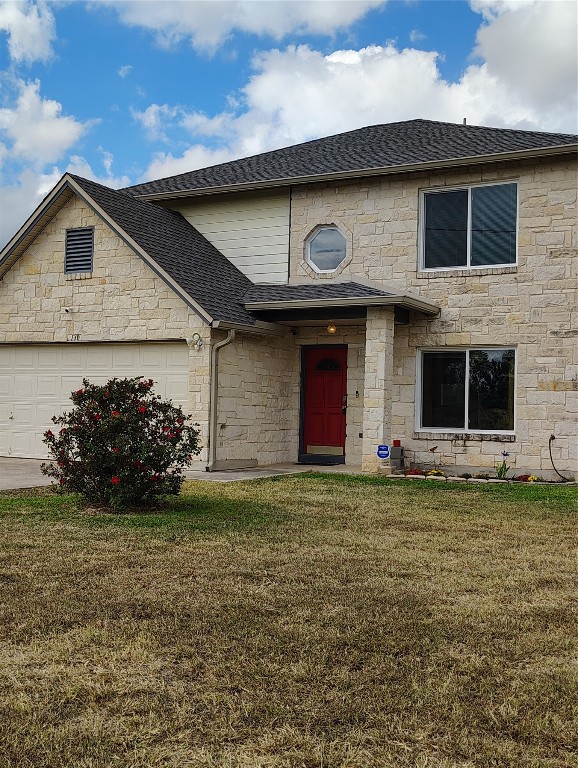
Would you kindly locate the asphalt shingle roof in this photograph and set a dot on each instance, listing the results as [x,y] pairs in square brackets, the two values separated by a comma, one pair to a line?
[183,253]
[312,292]
[377,146]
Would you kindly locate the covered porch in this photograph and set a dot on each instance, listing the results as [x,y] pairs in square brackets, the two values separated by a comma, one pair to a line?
[341,366]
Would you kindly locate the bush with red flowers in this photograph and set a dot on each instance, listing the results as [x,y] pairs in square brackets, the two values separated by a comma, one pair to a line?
[121,445]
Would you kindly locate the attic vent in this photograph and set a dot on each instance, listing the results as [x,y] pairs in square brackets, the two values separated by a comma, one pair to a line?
[79,250]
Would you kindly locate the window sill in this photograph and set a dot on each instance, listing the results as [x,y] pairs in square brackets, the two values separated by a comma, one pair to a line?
[466,437]
[78,276]
[477,271]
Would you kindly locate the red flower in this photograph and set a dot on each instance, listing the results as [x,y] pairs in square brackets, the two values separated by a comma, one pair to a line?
[115,450]
[80,391]
[166,429]
[179,421]
[115,480]
[63,430]
[97,417]
[116,413]
[49,433]
[142,409]
[62,481]
[107,393]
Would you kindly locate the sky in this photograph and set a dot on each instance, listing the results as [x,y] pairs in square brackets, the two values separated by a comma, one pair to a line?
[124,91]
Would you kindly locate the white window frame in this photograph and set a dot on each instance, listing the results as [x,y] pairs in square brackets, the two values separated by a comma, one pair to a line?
[461,188]
[311,236]
[465,430]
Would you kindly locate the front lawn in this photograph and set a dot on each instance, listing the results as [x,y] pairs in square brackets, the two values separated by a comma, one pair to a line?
[308,621]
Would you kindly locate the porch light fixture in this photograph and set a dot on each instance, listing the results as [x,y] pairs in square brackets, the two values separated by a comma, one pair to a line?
[331,328]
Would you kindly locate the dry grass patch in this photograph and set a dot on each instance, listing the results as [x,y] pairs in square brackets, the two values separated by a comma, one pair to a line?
[307,621]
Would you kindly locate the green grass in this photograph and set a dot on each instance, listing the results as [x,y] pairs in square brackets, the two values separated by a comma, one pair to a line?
[316,621]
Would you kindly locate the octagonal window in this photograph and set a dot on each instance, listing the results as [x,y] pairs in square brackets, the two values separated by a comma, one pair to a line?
[326,249]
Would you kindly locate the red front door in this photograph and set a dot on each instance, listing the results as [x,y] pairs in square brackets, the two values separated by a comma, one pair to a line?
[325,401]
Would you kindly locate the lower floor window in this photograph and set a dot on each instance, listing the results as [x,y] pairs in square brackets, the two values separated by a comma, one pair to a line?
[468,390]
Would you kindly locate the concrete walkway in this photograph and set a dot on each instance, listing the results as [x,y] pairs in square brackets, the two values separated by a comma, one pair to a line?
[25,473]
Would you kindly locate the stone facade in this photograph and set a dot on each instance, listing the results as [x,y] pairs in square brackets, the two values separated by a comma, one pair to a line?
[120,300]
[259,394]
[531,306]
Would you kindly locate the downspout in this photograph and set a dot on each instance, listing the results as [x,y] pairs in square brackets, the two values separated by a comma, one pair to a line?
[213,398]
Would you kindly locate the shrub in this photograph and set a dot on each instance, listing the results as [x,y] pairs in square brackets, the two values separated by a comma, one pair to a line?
[121,445]
[414,471]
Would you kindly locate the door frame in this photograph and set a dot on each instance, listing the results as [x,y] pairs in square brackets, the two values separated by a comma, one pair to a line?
[309,458]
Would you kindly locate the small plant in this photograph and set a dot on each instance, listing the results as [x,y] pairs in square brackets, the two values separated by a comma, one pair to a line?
[482,476]
[436,473]
[503,468]
[121,445]
[414,471]
[526,478]
[465,475]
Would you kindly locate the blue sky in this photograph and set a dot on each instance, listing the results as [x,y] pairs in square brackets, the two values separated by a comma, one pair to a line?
[123,91]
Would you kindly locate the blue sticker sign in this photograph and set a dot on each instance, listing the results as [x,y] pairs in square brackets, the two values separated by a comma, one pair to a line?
[383,451]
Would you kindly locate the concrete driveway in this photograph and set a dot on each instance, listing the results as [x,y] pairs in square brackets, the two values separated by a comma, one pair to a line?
[25,473]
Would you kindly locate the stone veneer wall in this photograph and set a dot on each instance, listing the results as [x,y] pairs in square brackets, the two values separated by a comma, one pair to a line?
[531,306]
[259,394]
[121,300]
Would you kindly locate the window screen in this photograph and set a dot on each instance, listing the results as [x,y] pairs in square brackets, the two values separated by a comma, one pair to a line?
[473,227]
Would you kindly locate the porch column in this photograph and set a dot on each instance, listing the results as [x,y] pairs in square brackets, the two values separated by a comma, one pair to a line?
[378,382]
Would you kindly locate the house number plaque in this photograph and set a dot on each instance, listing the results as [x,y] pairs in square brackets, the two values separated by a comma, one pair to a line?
[73,337]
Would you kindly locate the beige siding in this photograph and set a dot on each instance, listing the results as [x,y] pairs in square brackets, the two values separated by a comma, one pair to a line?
[250,230]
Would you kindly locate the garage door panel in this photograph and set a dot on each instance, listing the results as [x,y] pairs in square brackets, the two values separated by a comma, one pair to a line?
[6,386]
[49,357]
[73,358]
[25,387]
[37,381]
[25,359]
[125,358]
[178,387]
[98,359]
[48,387]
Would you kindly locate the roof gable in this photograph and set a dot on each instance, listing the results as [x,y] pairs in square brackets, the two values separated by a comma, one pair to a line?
[179,254]
[400,146]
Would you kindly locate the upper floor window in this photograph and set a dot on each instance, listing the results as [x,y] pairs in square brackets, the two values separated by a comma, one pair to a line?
[326,249]
[469,227]
[467,390]
[79,250]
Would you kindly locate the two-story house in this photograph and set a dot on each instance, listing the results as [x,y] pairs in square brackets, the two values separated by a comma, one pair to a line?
[413,281]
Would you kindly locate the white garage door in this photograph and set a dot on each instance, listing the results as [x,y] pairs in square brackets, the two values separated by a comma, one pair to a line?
[36,382]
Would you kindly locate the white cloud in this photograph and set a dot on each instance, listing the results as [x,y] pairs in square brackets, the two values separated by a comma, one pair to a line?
[197,156]
[124,70]
[154,119]
[208,24]
[416,36]
[531,47]
[35,127]
[31,29]
[20,200]
[79,166]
